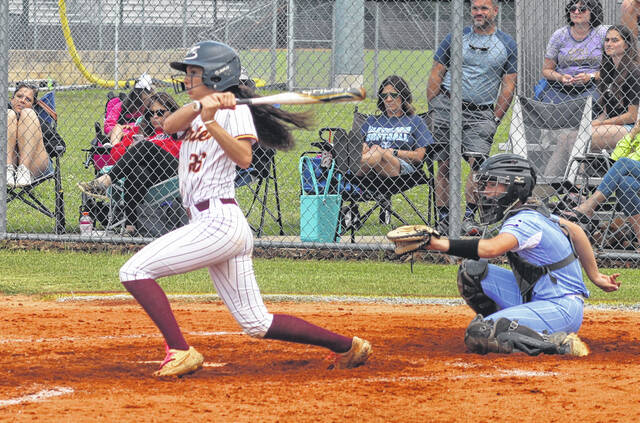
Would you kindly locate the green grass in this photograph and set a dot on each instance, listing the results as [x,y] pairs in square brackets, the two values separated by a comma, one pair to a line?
[66,272]
[78,110]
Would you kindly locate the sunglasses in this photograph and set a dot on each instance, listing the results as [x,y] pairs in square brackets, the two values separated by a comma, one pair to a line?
[158,113]
[476,48]
[393,95]
[578,9]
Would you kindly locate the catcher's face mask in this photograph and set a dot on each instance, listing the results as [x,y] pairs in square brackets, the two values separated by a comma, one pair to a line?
[493,197]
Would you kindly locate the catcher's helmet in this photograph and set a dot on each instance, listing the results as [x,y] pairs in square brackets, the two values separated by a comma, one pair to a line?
[220,64]
[516,172]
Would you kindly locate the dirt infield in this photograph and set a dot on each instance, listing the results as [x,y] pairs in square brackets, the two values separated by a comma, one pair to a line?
[92,361]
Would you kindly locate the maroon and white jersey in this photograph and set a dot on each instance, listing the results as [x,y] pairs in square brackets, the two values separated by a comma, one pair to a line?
[205,171]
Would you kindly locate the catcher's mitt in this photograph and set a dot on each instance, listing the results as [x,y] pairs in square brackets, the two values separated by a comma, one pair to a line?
[411,237]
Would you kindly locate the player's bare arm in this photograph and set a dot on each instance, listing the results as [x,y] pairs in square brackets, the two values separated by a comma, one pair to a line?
[507,90]
[238,150]
[438,70]
[607,283]
[180,120]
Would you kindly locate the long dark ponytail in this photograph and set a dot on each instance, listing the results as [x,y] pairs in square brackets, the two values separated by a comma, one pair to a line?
[273,124]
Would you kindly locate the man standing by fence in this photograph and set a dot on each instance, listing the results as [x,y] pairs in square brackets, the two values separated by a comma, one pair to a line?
[489,66]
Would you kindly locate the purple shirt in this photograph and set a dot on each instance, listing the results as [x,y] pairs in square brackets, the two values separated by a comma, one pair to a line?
[573,57]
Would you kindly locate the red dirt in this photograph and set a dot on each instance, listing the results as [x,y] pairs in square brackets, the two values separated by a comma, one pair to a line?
[419,372]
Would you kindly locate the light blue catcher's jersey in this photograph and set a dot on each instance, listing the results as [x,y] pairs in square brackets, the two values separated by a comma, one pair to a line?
[542,242]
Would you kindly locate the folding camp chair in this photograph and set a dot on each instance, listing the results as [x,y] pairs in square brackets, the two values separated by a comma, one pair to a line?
[564,180]
[346,149]
[551,136]
[161,211]
[257,179]
[46,109]
[109,213]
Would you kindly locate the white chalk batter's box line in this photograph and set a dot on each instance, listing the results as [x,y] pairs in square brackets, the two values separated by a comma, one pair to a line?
[493,372]
[38,396]
[106,337]
[512,373]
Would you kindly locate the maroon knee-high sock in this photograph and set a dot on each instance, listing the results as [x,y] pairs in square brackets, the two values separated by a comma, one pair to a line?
[293,329]
[154,301]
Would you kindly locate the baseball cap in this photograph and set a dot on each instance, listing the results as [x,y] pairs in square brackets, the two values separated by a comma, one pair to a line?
[144,81]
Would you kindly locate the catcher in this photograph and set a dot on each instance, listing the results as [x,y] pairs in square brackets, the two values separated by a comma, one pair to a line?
[537,306]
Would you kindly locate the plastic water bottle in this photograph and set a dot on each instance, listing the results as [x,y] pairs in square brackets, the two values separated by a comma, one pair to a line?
[86,224]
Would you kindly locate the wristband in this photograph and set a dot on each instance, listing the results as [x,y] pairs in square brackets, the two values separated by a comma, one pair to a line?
[465,248]
[196,105]
[210,122]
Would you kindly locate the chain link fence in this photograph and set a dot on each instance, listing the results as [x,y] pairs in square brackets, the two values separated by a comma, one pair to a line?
[431,85]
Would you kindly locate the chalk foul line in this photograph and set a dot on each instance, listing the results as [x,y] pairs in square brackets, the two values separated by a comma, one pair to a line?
[38,396]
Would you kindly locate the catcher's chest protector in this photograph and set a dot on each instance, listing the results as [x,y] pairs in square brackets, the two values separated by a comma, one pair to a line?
[528,274]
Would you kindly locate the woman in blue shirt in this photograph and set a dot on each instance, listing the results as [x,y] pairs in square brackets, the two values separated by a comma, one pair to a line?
[395,141]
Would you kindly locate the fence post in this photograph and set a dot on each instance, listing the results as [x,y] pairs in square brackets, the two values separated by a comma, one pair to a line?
[455,135]
[4,97]
[349,36]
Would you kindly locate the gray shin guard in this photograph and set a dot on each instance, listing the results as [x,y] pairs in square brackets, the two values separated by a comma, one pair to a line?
[470,275]
[507,336]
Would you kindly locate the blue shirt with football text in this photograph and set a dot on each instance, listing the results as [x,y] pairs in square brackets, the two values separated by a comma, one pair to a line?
[402,133]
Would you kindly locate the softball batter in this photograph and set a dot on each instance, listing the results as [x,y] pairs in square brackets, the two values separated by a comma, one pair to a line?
[217,138]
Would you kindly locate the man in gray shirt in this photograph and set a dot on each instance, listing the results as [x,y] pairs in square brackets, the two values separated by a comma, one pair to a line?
[489,71]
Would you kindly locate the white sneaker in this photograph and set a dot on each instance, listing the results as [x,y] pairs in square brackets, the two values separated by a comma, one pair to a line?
[11,176]
[23,176]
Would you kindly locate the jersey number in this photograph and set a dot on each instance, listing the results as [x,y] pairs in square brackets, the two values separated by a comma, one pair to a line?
[195,162]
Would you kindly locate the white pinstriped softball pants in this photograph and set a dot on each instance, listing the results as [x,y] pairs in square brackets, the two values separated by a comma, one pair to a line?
[219,239]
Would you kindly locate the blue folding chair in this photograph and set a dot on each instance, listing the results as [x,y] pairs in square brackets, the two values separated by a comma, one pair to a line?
[55,145]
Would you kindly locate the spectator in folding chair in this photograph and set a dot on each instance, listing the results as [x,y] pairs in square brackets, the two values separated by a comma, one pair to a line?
[619,89]
[395,141]
[623,179]
[489,72]
[141,163]
[122,114]
[27,157]
[572,60]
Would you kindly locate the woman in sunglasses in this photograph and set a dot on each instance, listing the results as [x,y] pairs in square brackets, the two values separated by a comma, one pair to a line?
[141,164]
[395,141]
[123,113]
[572,60]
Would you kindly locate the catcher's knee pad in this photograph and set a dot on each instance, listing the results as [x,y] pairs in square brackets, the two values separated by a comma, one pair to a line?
[507,336]
[470,275]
